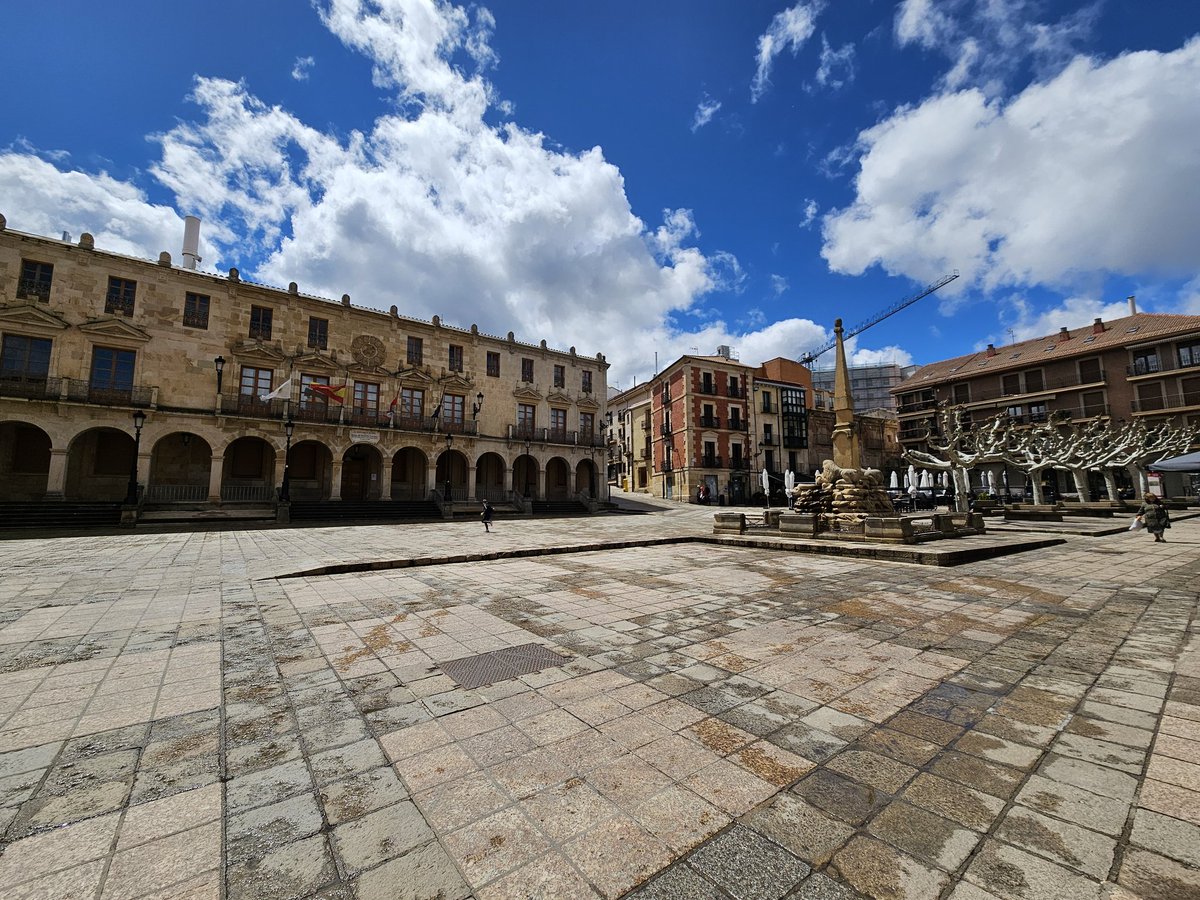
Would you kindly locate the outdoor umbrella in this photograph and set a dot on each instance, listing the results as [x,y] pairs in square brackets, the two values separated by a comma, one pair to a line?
[926,482]
[1189,462]
[992,482]
[894,484]
[911,480]
[766,486]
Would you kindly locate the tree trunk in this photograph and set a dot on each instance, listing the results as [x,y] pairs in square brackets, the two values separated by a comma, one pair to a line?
[1110,483]
[1141,484]
[962,489]
[1035,479]
[1081,484]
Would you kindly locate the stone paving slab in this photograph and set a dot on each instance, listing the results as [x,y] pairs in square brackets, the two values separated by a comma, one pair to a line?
[730,721]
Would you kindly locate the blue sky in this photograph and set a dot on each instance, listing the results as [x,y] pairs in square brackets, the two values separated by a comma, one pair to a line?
[634,178]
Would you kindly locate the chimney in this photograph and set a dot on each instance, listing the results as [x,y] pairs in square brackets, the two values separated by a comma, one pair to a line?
[1132,304]
[191,242]
[1098,326]
[1063,334]
[991,350]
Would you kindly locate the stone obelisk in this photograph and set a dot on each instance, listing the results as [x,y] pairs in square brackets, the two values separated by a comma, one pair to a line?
[845,440]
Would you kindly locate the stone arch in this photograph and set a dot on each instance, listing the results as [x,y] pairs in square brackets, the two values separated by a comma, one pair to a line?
[362,468]
[24,461]
[558,479]
[525,476]
[248,471]
[410,474]
[587,478]
[489,478]
[99,462]
[180,463]
[310,470]
[451,475]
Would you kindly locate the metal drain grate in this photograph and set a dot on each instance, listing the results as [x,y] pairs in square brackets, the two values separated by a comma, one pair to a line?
[500,665]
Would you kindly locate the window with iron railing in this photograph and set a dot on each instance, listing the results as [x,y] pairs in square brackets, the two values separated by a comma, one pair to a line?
[455,361]
[120,296]
[318,333]
[526,420]
[527,370]
[454,409]
[24,359]
[1189,355]
[195,310]
[34,281]
[558,425]
[112,369]
[415,351]
[586,381]
[260,323]
[560,376]
[493,364]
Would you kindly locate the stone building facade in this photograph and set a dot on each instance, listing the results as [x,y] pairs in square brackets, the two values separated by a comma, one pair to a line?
[381,406]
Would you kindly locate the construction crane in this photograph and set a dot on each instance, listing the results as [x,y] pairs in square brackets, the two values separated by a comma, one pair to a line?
[808,357]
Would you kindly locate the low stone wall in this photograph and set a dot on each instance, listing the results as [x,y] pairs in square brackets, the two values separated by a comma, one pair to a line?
[729,523]
[872,529]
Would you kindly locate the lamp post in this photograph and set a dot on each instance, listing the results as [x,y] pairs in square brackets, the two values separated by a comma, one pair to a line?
[219,362]
[477,405]
[285,489]
[131,494]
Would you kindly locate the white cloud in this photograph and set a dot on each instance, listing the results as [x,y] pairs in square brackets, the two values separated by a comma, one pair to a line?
[892,355]
[810,213]
[837,66]
[789,30]
[1089,173]
[1023,321]
[986,43]
[779,285]
[41,199]
[706,109]
[301,69]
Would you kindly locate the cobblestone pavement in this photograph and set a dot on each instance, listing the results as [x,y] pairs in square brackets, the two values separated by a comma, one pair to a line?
[176,721]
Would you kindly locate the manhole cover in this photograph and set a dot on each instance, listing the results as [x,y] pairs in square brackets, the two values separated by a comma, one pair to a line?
[500,665]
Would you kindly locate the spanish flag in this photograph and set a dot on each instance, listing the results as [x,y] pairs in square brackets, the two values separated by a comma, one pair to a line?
[337,394]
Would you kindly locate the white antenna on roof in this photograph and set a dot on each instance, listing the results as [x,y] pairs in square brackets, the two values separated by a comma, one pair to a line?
[191,242]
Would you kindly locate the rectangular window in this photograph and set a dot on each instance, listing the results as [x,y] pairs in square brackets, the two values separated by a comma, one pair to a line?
[34,283]
[366,397]
[318,333]
[560,376]
[587,425]
[456,358]
[1034,381]
[1037,412]
[1093,404]
[119,299]
[416,351]
[735,418]
[1089,371]
[112,369]
[1189,355]
[493,364]
[768,433]
[734,390]
[766,398]
[310,401]
[527,370]
[706,383]
[1015,412]
[24,358]
[453,409]
[195,310]
[526,419]
[962,393]
[1011,384]
[586,378]
[255,381]
[412,404]
[791,400]
[1150,396]
[558,424]
[1145,362]
[260,323]
[735,456]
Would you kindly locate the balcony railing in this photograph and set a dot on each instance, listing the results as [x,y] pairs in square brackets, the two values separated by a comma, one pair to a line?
[310,411]
[766,406]
[366,418]
[1158,366]
[793,442]
[739,464]
[447,426]
[195,320]
[1170,400]
[560,436]
[526,432]
[738,393]
[768,440]
[710,462]
[738,425]
[31,387]
[646,453]
[709,389]
[917,406]
[33,289]
[250,405]
[1072,381]
[710,421]
[666,431]
[106,395]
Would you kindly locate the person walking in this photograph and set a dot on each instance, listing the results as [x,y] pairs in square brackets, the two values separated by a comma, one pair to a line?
[1154,516]
[487,516]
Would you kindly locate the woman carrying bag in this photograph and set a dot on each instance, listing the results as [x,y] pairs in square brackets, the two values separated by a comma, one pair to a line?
[1154,516]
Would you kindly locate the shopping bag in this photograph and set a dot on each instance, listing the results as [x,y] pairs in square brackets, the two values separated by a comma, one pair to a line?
[1137,524]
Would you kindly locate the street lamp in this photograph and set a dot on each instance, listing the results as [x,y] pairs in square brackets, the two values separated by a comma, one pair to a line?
[219,362]
[131,494]
[285,489]
[477,405]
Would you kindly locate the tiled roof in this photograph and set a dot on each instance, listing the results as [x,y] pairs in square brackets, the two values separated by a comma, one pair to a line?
[1136,329]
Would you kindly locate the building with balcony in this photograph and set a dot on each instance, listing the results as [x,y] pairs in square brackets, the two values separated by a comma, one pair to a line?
[871,386]
[1144,365]
[231,378]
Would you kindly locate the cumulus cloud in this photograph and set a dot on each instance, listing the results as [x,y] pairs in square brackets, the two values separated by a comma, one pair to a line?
[986,43]
[1023,320]
[1088,173]
[302,66]
[41,199]
[706,109]
[881,357]
[779,285]
[810,213]
[789,30]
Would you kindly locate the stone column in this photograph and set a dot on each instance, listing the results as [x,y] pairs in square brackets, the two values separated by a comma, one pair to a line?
[385,480]
[214,479]
[56,478]
[335,481]
[508,479]
[431,484]
[471,480]
[541,484]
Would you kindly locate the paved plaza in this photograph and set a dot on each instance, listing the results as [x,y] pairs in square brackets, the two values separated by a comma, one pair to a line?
[190,716]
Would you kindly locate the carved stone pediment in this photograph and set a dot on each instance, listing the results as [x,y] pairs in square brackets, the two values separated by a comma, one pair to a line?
[116,330]
[257,350]
[557,396]
[315,361]
[29,319]
[587,403]
[455,383]
[415,378]
[525,392]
